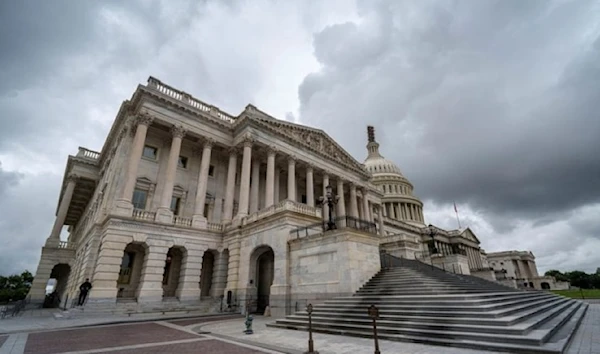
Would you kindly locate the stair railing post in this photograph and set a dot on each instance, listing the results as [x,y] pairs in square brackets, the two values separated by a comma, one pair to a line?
[311,346]
[374,314]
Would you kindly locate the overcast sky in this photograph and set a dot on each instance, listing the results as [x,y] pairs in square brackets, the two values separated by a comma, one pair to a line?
[490,104]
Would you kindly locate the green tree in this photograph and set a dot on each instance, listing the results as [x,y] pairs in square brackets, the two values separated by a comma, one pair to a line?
[15,287]
[557,275]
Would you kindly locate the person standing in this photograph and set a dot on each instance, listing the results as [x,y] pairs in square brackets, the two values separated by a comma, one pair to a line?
[83,291]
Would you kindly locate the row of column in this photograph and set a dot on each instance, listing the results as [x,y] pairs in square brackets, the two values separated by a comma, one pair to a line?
[403,211]
[248,199]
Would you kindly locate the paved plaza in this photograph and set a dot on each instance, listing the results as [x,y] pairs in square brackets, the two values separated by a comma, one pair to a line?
[213,334]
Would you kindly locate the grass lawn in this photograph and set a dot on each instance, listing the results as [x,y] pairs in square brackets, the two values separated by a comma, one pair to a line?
[579,294]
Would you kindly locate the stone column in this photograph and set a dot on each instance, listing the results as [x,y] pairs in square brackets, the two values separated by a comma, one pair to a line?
[123,206]
[255,185]
[245,179]
[164,213]
[310,188]
[188,288]
[230,191]
[270,182]
[341,205]
[353,201]
[219,277]
[380,217]
[150,288]
[198,219]
[291,189]
[54,238]
[325,206]
[366,214]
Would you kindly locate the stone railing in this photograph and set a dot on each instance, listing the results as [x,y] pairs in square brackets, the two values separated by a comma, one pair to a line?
[213,226]
[188,99]
[66,245]
[143,214]
[88,154]
[285,205]
[181,221]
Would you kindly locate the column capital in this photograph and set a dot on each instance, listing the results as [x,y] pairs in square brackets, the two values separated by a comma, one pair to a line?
[73,178]
[178,131]
[291,159]
[208,143]
[248,140]
[272,150]
[233,150]
[143,119]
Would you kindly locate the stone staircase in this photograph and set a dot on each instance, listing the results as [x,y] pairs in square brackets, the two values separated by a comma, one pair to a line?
[418,303]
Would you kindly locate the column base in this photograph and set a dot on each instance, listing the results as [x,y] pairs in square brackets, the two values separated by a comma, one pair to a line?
[164,216]
[199,222]
[123,207]
[52,242]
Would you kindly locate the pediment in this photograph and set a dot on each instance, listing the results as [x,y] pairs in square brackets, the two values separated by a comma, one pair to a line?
[314,139]
[469,235]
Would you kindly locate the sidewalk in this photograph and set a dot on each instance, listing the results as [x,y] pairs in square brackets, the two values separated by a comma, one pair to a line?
[45,319]
[296,342]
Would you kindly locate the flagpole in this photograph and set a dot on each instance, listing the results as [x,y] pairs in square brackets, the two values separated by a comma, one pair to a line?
[457,219]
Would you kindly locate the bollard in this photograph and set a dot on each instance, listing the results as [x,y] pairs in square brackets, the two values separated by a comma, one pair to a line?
[249,319]
[311,348]
[374,314]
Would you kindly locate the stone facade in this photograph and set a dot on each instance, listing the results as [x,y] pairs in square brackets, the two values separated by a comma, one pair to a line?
[186,202]
[518,269]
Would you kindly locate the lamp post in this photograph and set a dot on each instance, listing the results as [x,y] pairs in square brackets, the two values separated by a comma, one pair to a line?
[311,347]
[374,314]
[330,200]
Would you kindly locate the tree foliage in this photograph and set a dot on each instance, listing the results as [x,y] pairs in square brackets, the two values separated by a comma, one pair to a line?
[577,278]
[15,287]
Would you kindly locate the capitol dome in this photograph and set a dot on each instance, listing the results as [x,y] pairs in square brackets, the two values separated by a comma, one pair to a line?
[398,200]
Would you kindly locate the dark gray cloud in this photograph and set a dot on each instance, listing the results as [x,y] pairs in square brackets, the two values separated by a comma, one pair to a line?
[492,104]
[487,103]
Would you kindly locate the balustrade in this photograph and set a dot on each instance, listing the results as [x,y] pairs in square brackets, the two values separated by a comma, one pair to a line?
[89,154]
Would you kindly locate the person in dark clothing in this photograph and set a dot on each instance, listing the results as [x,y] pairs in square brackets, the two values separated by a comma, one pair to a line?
[83,291]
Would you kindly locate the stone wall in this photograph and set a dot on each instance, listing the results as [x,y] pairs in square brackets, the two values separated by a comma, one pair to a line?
[484,274]
[332,264]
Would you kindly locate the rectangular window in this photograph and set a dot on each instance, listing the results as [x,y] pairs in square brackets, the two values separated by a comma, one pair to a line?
[150,152]
[175,201]
[139,199]
[211,170]
[206,210]
[182,162]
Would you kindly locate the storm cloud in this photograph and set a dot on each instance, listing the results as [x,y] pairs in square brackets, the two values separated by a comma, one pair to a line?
[489,104]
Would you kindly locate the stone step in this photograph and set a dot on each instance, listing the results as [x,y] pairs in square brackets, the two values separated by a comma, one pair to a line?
[465,318]
[532,320]
[552,346]
[418,300]
[490,310]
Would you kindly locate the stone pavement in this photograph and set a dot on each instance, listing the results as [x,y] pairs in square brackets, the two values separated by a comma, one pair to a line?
[148,337]
[587,337]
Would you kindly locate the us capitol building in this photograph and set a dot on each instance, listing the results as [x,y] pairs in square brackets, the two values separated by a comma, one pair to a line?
[188,205]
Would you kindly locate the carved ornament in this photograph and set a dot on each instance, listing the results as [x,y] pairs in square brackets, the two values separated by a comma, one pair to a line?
[208,142]
[272,150]
[248,140]
[178,131]
[144,119]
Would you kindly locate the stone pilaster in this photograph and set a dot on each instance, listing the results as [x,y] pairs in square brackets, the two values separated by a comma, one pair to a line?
[123,205]
[325,206]
[245,178]
[310,189]
[233,268]
[188,288]
[230,190]
[151,287]
[164,213]
[254,187]
[291,185]
[107,270]
[270,182]
[219,277]
[54,238]
[198,219]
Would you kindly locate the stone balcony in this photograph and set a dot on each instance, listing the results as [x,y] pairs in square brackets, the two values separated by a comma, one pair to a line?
[283,206]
